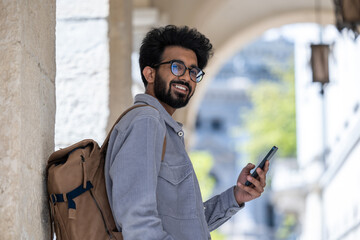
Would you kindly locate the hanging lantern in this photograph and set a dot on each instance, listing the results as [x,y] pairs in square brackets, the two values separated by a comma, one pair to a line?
[347,13]
[320,62]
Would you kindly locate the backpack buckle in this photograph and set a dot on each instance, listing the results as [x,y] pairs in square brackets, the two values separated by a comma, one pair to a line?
[57,198]
[53,198]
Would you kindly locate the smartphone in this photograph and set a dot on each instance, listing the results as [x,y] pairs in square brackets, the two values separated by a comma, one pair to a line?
[268,156]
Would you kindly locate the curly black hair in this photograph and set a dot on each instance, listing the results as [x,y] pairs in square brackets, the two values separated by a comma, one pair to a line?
[157,39]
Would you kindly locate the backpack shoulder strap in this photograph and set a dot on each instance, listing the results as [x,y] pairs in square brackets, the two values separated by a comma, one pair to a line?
[106,142]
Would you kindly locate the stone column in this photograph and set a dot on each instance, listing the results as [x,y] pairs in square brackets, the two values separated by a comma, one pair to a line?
[120,48]
[27,107]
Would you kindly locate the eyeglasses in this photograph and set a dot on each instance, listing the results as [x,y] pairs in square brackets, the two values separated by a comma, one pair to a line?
[178,68]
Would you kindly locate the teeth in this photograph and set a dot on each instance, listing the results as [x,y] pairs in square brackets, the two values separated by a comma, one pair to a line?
[180,87]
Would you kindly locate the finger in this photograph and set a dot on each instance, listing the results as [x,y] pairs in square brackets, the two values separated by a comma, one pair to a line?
[250,190]
[258,186]
[262,177]
[248,168]
[266,167]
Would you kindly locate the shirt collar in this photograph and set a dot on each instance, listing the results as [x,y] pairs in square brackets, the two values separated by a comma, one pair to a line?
[148,99]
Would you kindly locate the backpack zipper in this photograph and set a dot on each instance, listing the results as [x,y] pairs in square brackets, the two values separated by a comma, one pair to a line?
[102,216]
[93,197]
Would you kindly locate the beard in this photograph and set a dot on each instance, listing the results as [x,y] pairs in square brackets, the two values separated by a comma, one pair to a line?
[164,94]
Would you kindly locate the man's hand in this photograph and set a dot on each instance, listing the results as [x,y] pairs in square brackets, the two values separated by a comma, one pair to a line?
[247,193]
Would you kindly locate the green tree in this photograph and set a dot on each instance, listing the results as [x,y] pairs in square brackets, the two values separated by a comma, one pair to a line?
[203,162]
[272,121]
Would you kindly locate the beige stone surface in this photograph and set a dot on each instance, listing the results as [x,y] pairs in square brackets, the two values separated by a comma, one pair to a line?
[27,106]
[120,47]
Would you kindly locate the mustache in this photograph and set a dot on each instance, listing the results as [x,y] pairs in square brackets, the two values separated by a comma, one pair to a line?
[182,83]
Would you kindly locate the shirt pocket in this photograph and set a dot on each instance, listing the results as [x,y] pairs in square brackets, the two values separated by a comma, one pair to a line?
[176,192]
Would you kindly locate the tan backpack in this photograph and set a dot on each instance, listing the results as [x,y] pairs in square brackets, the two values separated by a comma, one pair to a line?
[79,207]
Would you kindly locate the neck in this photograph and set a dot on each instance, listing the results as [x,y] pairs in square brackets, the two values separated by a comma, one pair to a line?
[169,109]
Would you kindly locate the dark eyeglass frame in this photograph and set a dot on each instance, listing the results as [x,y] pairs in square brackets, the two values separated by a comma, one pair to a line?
[197,79]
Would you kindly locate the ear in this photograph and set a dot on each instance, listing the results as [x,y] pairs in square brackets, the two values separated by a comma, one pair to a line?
[149,74]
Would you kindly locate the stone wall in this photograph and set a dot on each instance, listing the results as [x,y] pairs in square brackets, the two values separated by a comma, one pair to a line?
[93,60]
[82,79]
[27,106]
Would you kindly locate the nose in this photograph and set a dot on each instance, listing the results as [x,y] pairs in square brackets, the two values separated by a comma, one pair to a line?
[186,78]
[186,75]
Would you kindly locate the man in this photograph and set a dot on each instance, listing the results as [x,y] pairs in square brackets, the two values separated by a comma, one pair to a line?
[155,198]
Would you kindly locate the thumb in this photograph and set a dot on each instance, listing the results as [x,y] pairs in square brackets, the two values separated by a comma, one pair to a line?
[248,167]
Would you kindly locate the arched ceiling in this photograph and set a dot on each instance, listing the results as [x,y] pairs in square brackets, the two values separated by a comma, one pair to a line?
[219,19]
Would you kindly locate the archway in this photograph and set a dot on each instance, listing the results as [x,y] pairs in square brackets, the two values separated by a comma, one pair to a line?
[235,42]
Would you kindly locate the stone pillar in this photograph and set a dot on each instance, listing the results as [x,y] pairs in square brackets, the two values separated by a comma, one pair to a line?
[27,106]
[120,48]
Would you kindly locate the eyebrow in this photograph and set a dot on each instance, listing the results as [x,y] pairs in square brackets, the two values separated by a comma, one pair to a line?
[192,65]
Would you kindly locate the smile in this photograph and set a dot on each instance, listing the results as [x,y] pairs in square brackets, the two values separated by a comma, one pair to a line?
[181,87]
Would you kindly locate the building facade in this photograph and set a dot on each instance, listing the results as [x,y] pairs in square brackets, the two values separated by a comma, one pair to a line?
[28,102]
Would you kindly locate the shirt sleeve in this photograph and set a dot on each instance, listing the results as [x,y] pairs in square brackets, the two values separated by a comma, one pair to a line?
[221,208]
[134,172]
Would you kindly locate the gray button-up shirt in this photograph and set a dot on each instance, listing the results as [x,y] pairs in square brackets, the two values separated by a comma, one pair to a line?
[154,199]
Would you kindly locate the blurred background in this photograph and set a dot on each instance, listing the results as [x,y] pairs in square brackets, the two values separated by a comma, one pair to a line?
[284,73]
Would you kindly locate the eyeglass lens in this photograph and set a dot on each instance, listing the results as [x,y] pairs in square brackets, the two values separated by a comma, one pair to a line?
[178,69]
